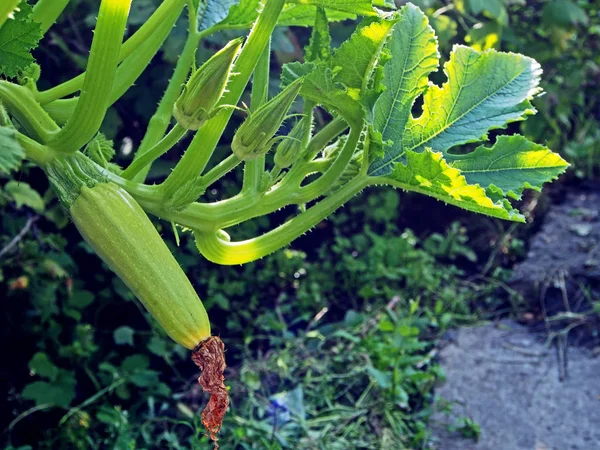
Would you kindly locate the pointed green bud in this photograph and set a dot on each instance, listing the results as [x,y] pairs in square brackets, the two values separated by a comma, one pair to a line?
[205,87]
[256,135]
[290,148]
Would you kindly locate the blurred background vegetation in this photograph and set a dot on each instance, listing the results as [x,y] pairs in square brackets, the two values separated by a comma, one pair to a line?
[331,342]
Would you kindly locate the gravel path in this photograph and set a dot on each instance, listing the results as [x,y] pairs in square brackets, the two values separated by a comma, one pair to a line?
[508,381]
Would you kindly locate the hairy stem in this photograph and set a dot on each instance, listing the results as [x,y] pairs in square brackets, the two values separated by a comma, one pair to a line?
[222,252]
[219,171]
[162,117]
[162,147]
[254,169]
[202,147]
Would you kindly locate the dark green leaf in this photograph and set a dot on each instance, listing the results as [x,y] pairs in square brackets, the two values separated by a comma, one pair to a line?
[123,335]
[18,38]
[11,153]
[60,392]
[23,195]
[319,47]
[41,365]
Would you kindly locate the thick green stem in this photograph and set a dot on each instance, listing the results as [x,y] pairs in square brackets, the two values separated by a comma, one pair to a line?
[45,12]
[102,65]
[127,73]
[166,13]
[219,171]
[162,117]
[329,132]
[20,103]
[4,117]
[6,9]
[254,169]
[210,217]
[202,147]
[34,151]
[325,181]
[220,251]
[162,147]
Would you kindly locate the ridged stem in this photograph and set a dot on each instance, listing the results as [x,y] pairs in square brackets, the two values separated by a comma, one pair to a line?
[127,72]
[20,103]
[102,65]
[34,151]
[163,14]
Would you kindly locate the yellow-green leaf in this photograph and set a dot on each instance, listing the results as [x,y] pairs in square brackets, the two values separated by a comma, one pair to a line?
[428,173]
[511,165]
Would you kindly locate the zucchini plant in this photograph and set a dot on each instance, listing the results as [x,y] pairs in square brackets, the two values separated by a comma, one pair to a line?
[389,126]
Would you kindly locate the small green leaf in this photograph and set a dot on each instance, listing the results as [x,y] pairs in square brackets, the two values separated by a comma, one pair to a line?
[18,38]
[494,9]
[358,7]
[355,59]
[564,13]
[60,392]
[244,13]
[81,299]
[319,47]
[292,71]
[383,379]
[511,165]
[320,87]
[134,363]
[23,195]
[100,150]
[158,346]
[123,335]
[11,152]
[428,173]
[41,365]
[145,378]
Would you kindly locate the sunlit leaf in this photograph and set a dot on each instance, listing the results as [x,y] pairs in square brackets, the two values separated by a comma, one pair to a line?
[511,165]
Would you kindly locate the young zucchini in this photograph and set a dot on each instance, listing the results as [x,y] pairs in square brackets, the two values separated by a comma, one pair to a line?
[116,227]
[119,231]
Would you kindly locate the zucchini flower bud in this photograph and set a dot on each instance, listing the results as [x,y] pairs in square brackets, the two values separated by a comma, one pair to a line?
[290,148]
[256,135]
[206,86]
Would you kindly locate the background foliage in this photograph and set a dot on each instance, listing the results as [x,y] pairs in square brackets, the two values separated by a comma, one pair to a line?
[332,342]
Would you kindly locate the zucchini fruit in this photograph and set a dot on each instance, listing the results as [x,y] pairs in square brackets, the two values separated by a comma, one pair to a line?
[120,232]
[117,228]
